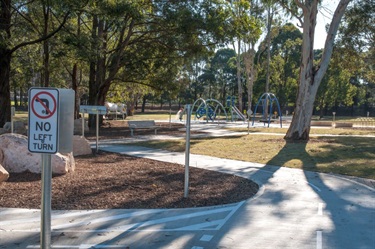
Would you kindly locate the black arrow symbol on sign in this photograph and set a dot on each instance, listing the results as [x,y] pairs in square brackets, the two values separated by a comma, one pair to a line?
[44,103]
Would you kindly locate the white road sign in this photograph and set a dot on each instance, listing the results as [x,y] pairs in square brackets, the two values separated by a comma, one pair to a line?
[43,120]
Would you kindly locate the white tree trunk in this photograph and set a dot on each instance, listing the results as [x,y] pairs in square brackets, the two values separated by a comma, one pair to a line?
[250,74]
[239,81]
[310,76]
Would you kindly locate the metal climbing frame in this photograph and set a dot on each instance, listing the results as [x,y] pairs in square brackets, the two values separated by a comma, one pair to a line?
[271,97]
[208,109]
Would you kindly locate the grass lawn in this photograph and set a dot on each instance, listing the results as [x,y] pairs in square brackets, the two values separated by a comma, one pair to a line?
[353,156]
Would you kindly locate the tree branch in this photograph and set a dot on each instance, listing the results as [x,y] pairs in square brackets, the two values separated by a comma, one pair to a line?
[328,46]
[42,38]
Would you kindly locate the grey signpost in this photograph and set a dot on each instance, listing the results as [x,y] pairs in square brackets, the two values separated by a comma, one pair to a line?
[49,108]
[12,111]
[187,151]
[93,109]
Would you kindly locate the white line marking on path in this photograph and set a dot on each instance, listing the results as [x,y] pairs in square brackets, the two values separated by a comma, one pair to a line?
[83,246]
[206,238]
[319,242]
[136,226]
[315,187]
[230,214]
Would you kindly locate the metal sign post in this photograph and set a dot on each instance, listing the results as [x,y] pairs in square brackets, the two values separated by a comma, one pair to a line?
[45,232]
[50,131]
[97,131]
[43,138]
[187,151]
[12,111]
[93,109]
[83,123]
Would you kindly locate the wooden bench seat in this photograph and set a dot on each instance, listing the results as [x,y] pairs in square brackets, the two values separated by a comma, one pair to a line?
[266,121]
[142,124]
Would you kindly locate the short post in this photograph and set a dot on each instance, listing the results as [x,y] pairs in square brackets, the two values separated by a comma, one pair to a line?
[13,111]
[170,118]
[45,234]
[97,131]
[368,114]
[333,119]
[248,126]
[83,123]
[187,151]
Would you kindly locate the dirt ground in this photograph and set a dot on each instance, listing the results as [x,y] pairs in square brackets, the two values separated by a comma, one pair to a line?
[109,180]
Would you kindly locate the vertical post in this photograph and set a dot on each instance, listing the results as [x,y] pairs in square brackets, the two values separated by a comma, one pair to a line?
[187,151]
[170,118]
[45,230]
[12,111]
[83,123]
[97,131]
[248,126]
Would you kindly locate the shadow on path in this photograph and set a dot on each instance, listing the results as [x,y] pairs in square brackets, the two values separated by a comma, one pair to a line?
[352,216]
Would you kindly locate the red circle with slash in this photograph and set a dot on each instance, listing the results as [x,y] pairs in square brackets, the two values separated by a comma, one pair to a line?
[39,98]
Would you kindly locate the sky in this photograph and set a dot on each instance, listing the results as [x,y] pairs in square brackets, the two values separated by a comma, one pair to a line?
[324,17]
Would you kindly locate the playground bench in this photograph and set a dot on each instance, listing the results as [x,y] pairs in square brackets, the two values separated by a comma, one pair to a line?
[142,124]
[266,121]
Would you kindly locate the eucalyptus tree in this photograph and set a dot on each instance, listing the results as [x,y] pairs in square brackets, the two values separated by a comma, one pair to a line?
[250,39]
[357,38]
[18,15]
[208,81]
[225,75]
[286,55]
[310,75]
[242,23]
[126,34]
[336,88]
[271,9]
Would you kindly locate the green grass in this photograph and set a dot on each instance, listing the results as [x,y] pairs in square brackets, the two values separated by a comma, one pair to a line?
[340,155]
[313,131]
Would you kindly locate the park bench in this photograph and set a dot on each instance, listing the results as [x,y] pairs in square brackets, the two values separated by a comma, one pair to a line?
[142,124]
[265,121]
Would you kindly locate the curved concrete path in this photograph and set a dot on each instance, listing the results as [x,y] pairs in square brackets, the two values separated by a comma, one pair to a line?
[293,209]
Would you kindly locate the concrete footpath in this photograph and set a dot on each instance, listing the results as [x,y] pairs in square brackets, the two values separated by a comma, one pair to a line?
[293,209]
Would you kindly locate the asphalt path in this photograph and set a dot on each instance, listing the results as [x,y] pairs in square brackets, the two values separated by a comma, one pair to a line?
[293,209]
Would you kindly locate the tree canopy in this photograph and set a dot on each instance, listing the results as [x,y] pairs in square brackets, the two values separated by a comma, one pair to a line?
[127,51]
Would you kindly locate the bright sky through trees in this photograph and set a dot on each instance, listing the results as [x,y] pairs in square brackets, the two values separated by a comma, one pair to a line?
[324,17]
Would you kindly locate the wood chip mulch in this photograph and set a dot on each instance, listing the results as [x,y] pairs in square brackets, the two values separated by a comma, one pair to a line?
[114,181]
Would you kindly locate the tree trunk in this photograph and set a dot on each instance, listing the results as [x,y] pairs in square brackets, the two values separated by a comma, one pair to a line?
[310,77]
[144,100]
[75,88]
[93,88]
[239,81]
[15,97]
[5,103]
[5,59]
[269,25]
[46,10]
[250,75]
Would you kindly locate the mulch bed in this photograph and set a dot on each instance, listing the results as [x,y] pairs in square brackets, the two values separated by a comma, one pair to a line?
[110,181]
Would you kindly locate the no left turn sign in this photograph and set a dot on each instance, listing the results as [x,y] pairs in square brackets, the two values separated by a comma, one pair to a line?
[43,120]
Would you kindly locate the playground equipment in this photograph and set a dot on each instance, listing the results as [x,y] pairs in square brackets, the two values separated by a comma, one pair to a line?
[233,109]
[264,99]
[210,108]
